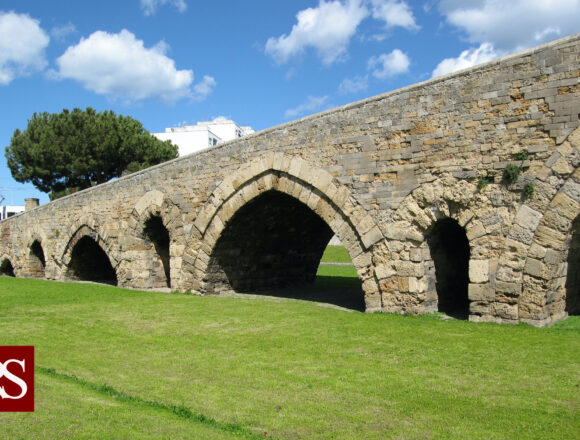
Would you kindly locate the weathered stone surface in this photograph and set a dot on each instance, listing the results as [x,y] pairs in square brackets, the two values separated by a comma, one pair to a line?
[481,292]
[381,174]
[478,271]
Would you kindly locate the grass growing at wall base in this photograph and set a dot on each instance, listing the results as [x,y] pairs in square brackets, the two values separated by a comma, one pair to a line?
[115,363]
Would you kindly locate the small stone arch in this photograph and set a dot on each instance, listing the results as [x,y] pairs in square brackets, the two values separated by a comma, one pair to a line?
[6,266]
[313,187]
[405,265]
[164,270]
[86,236]
[35,259]
[33,264]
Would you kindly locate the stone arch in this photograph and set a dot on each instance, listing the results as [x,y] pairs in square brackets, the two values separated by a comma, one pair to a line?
[405,266]
[450,253]
[100,250]
[32,264]
[313,187]
[162,272]
[543,278]
[35,259]
[545,272]
[6,266]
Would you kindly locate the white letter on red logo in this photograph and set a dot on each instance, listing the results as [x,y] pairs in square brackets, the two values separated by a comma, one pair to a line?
[15,379]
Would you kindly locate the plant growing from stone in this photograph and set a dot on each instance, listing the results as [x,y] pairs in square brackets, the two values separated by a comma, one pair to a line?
[511,173]
[529,190]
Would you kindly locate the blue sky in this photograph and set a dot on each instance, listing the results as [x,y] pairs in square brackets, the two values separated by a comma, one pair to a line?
[258,62]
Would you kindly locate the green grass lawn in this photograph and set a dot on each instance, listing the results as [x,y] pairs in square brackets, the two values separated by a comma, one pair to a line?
[116,363]
[335,254]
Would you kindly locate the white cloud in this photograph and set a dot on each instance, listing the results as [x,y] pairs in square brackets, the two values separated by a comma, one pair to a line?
[390,64]
[22,45]
[150,6]
[328,28]
[394,13]
[515,24]
[204,88]
[119,65]
[468,58]
[312,103]
[357,84]
[61,32]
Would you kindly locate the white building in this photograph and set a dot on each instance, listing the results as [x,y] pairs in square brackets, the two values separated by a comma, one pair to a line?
[9,211]
[191,138]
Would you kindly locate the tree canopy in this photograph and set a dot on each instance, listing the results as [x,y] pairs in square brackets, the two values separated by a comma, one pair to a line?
[81,148]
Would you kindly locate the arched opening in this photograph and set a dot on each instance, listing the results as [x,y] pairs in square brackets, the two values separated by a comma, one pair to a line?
[89,262]
[36,260]
[273,245]
[6,268]
[450,252]
[156,232]
[573,275]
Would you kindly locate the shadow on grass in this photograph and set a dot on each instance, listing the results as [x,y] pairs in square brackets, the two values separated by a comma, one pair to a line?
[345,292]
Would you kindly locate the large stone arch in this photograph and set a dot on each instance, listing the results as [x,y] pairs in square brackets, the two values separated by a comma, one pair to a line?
[144,266]
[544,273]
[87,227]
[404,265]
[312,186]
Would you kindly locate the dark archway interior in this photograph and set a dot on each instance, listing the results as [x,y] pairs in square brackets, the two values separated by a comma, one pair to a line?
[158,234]
[37,262]
[450,252]
[37,252]
[89,262]
[573,275]
[6,268]
[273,245]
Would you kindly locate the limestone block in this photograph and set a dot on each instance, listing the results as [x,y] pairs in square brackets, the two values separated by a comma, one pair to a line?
[574,138]
[409,269]
[505,311]
[295,166]
[528,218]
[481,292]
[565,206]
[371,237]
[370,287]
[561,167]
[363,260]
[511,289]
[478,271]
[417,285]
[536,268]
[475,231]
[549,238]
[572,190]
[521,234]
[322,181]
[383,271]
[416,255]
[506,273]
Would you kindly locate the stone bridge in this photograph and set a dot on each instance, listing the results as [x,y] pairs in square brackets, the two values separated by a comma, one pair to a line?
[461,193]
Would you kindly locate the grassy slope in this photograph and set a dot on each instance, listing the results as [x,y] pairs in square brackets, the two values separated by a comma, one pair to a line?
[335,254]
[289,368]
